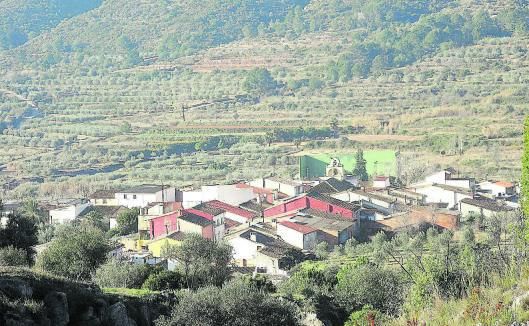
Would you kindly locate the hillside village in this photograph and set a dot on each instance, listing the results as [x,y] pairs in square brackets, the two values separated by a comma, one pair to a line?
[273,224]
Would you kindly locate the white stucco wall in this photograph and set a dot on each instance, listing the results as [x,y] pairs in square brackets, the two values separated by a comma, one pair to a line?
[138,200]
[67,214]
[438,195]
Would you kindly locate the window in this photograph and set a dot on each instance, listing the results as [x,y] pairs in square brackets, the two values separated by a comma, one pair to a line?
[125,196]
[104,201]
[133,196]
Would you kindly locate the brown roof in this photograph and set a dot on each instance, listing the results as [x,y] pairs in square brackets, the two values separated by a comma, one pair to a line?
[104,194]
[488,204]
[301,228]
[505,184]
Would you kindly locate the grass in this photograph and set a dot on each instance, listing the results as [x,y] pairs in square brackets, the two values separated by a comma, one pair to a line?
[137,293]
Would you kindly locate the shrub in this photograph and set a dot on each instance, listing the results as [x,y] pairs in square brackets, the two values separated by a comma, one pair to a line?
[164,280]
[116,274]
[11,256]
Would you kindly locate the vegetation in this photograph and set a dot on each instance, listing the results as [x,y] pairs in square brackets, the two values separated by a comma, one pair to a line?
[234,304]
[202,261]
[75,253]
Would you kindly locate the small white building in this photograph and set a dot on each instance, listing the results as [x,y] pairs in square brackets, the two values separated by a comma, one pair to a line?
[230,194]
[298,235]
[498,189]
[141,196]
[444,194]
[381,182]
[483,207]
[288,187]
[448,177]
[104,198]
[66,211]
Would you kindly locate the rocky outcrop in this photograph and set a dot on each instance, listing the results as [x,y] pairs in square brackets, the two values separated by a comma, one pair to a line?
[28,299]
[57,308]
[117,315]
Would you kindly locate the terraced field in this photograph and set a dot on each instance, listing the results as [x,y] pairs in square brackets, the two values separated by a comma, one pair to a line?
[176,120]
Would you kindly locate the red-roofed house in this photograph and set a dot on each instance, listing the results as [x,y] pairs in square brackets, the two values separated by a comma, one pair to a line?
[498,189]
[233,212]
[315,201]
[213,214]
[299,235]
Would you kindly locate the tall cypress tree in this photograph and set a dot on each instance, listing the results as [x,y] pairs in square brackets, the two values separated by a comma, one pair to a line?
[525,170]
[360,167]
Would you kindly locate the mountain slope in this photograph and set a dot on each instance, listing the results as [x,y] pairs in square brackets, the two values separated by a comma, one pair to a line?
[21,20]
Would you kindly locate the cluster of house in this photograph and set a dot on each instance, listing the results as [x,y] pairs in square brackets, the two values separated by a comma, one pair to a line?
[269,220]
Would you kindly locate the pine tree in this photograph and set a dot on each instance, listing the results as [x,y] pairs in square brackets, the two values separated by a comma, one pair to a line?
[360,167]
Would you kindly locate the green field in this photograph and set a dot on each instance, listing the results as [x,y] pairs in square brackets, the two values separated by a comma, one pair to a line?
[378,162]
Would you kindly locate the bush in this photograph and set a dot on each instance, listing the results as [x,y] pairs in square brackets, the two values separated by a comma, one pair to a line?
[234,304]
[116,274]
[371,285]
[11,256]
[164,280]
[76,252]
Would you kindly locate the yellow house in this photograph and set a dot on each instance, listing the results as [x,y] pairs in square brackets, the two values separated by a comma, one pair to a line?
[156,246]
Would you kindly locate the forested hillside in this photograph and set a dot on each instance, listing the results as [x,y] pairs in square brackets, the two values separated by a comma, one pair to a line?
[21,20]
[127,90]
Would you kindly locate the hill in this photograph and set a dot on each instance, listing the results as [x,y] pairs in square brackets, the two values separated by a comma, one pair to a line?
[126,91]
[21,20]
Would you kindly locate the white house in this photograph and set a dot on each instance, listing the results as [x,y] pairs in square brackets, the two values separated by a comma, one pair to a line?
[299,235]
[143,195]
[288,187]
[447,177]
[378,201]
[441,193]
[381,182]
[498,189]
[230,194]
[67,211]
[483,207]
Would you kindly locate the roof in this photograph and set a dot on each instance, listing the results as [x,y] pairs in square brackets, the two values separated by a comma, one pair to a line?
[322,214]
[231,223]
[323,221]
[254,206]
[232,209]
[376,195]
[260,237]
[209,209]
[331,185]
[104,194]
[195,219]
[334,201]
[106,211]
[178,236]
[488,204]
[380,178]
[505,184]
[301,228]
[284,181]
[275,252]
[144,189]
[453,189]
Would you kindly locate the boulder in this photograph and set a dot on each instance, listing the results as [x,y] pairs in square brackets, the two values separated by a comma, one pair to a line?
[16,289]
[117,316]
[57,308]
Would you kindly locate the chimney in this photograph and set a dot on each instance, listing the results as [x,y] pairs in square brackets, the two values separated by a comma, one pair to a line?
[253,236]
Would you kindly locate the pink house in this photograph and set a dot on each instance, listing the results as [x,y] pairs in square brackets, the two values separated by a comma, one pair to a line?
[315,201]
[164,224]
